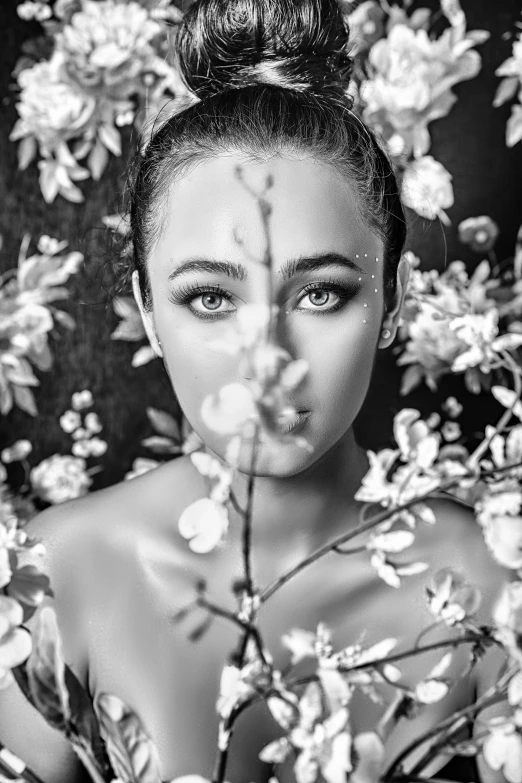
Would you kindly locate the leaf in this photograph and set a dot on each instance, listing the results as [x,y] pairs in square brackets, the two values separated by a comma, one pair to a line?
[411,378]
[164,423]
[143,355]
[514,126]
[160,445]
[48,183]
[84,721]
[26,152]
[24,398]
[97,160]
[45,671]
[133,755]
[110,137]
[506,90]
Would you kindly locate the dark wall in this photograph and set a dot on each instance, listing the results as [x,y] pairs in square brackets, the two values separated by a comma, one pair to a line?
[470,142]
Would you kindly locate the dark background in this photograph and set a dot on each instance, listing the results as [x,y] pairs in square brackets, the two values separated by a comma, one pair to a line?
[469,142]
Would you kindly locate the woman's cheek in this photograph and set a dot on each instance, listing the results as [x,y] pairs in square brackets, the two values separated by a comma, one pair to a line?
[341,361]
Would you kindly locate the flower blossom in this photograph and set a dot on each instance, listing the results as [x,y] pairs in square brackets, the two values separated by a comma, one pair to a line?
[507,616]
[511,70]
[51,109]
[107,46]
[502,749]
[60,478]
[203,523]
[500,514]
[479,332]
[480,233]
[427,188]
[450,598]
[410,84]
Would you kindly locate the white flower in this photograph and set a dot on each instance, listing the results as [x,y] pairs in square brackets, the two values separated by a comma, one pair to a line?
[396,541]
[451,431]
[500,515]
[228,411]
[507,616]
[300,643]
[203,523]
[410,82]
[60,478]
[370,753]
[51,109]
[414,438]
[479,333]
[39,11]
[233,690]
[375,488]
[82,399]
[81,448]
[107,46]
[509,399]
[17,452]
[502,750]
[427,188]
[451,598]
[92,423]
[15,642]
[70,421]
[452,407]
[97,446]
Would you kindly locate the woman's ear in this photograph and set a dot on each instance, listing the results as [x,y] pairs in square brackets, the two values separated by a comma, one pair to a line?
[146,316]
[391,319]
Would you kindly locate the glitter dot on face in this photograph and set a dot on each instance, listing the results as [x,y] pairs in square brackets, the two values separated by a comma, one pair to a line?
[365,304]
[372,276]
[357,255]
[366,255]
[375,290]
[365,321]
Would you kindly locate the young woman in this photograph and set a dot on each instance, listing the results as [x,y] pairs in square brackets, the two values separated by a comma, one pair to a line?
[271,77]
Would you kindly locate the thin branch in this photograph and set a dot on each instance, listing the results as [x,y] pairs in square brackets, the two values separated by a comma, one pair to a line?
[490,697]
[372,522]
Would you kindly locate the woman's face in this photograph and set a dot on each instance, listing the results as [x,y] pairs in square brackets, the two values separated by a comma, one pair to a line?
[334,307]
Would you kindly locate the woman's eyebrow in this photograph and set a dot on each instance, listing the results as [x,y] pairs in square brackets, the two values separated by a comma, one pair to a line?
[289,269]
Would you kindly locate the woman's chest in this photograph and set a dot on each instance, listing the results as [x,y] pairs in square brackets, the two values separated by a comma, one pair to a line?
[168,666]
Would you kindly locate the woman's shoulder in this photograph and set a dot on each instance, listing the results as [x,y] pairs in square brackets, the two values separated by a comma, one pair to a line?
[89,539]
[457,541]
[150,498]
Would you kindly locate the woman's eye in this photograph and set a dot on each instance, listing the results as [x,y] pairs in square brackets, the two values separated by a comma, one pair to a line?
[210,303]
[319,299]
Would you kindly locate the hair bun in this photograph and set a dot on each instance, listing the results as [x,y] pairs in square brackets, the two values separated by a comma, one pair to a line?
[298,44]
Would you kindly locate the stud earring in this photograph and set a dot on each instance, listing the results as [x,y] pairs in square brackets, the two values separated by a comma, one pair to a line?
[385,334]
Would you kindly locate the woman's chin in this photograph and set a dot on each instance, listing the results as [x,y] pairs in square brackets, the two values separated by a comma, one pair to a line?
[275,457]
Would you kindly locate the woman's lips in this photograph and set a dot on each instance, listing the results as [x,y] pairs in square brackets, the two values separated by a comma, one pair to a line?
[295,422]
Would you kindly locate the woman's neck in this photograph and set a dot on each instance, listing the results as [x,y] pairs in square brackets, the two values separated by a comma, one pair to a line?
[315,503]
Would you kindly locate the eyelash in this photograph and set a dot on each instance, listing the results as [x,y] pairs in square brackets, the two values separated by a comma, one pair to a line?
[188,293]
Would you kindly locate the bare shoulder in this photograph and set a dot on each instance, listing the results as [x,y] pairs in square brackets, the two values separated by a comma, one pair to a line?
[87,539]
[458,542]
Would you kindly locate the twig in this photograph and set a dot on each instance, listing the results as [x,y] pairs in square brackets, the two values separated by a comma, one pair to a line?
[490,697]
[373,522]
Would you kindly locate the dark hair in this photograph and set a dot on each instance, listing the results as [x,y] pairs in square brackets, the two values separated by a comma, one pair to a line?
[272,78]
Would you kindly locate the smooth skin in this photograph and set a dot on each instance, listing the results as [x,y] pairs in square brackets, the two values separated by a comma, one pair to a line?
[117,556]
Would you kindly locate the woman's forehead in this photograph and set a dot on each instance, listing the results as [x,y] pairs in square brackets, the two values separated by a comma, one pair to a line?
[215,212]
